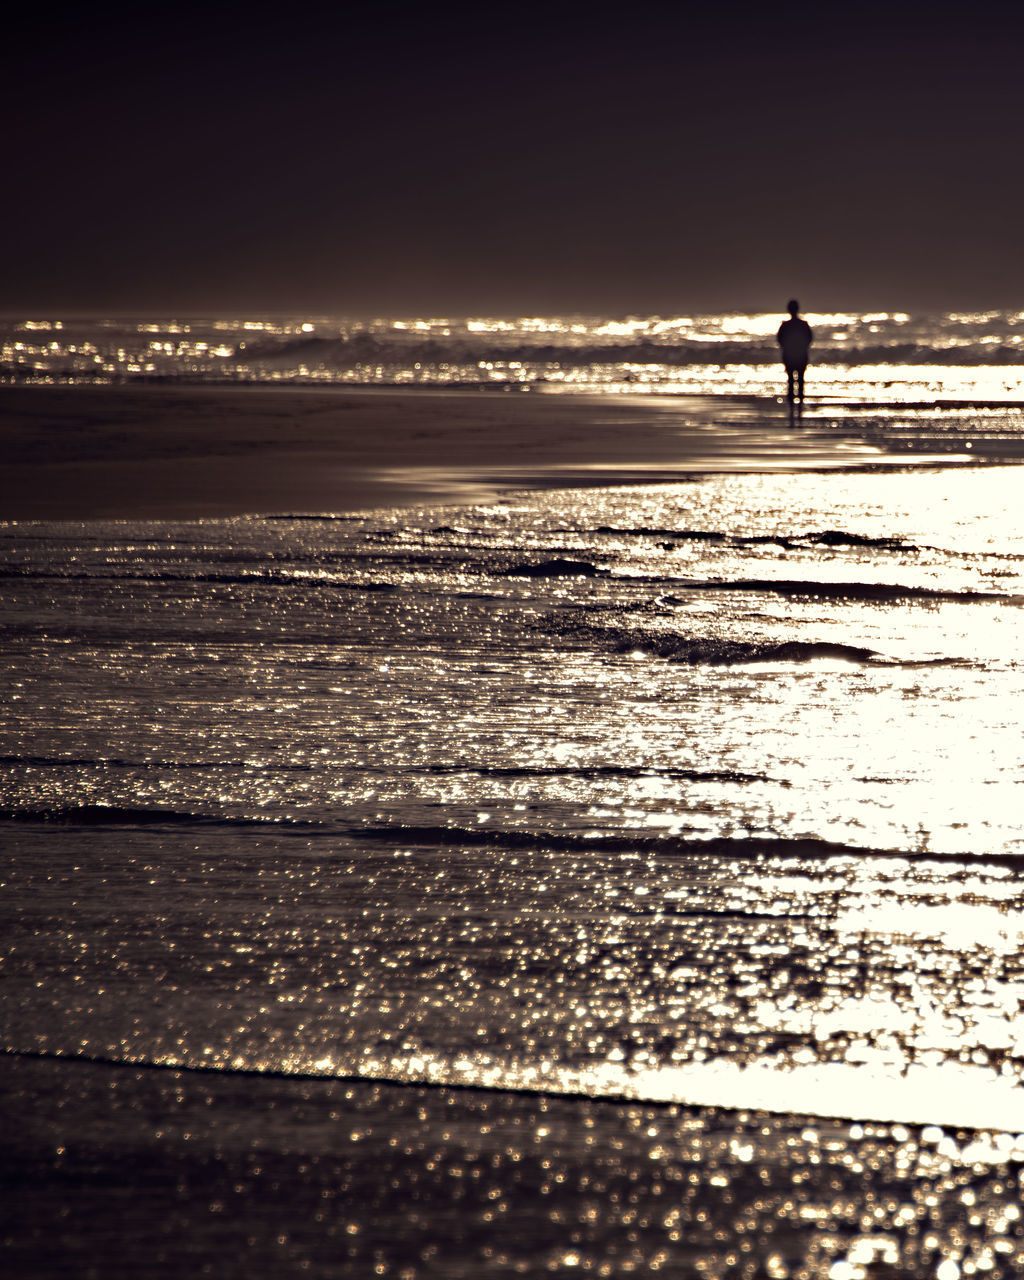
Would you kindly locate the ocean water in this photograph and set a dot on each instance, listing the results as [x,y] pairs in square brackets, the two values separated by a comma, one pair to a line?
[609,881]
[889,357]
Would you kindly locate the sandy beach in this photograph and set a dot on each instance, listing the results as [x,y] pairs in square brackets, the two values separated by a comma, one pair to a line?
[177,452]
[613,880]
[512,736]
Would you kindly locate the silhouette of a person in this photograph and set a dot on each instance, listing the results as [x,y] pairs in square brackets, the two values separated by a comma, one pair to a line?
[794,337]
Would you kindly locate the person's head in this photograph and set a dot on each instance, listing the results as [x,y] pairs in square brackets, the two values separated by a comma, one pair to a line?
[793,307]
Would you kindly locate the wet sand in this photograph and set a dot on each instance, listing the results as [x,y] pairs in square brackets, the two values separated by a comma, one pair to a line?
[179,452]
[122,1170]
[175,1173]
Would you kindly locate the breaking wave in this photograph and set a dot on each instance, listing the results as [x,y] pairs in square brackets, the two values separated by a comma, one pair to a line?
[399,352]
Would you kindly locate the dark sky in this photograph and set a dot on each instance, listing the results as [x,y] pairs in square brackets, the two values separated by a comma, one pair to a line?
[652,158]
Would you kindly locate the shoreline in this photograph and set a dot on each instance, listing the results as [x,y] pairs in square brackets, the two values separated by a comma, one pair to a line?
[154,451]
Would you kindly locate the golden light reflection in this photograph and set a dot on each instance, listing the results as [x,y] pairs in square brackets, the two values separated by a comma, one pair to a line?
[559,836]
[973,357]
[952,1095]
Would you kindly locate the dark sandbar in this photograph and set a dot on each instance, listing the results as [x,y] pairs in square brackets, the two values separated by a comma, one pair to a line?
[179,452]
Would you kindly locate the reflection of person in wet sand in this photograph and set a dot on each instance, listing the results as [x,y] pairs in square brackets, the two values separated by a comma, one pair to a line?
[795,338]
